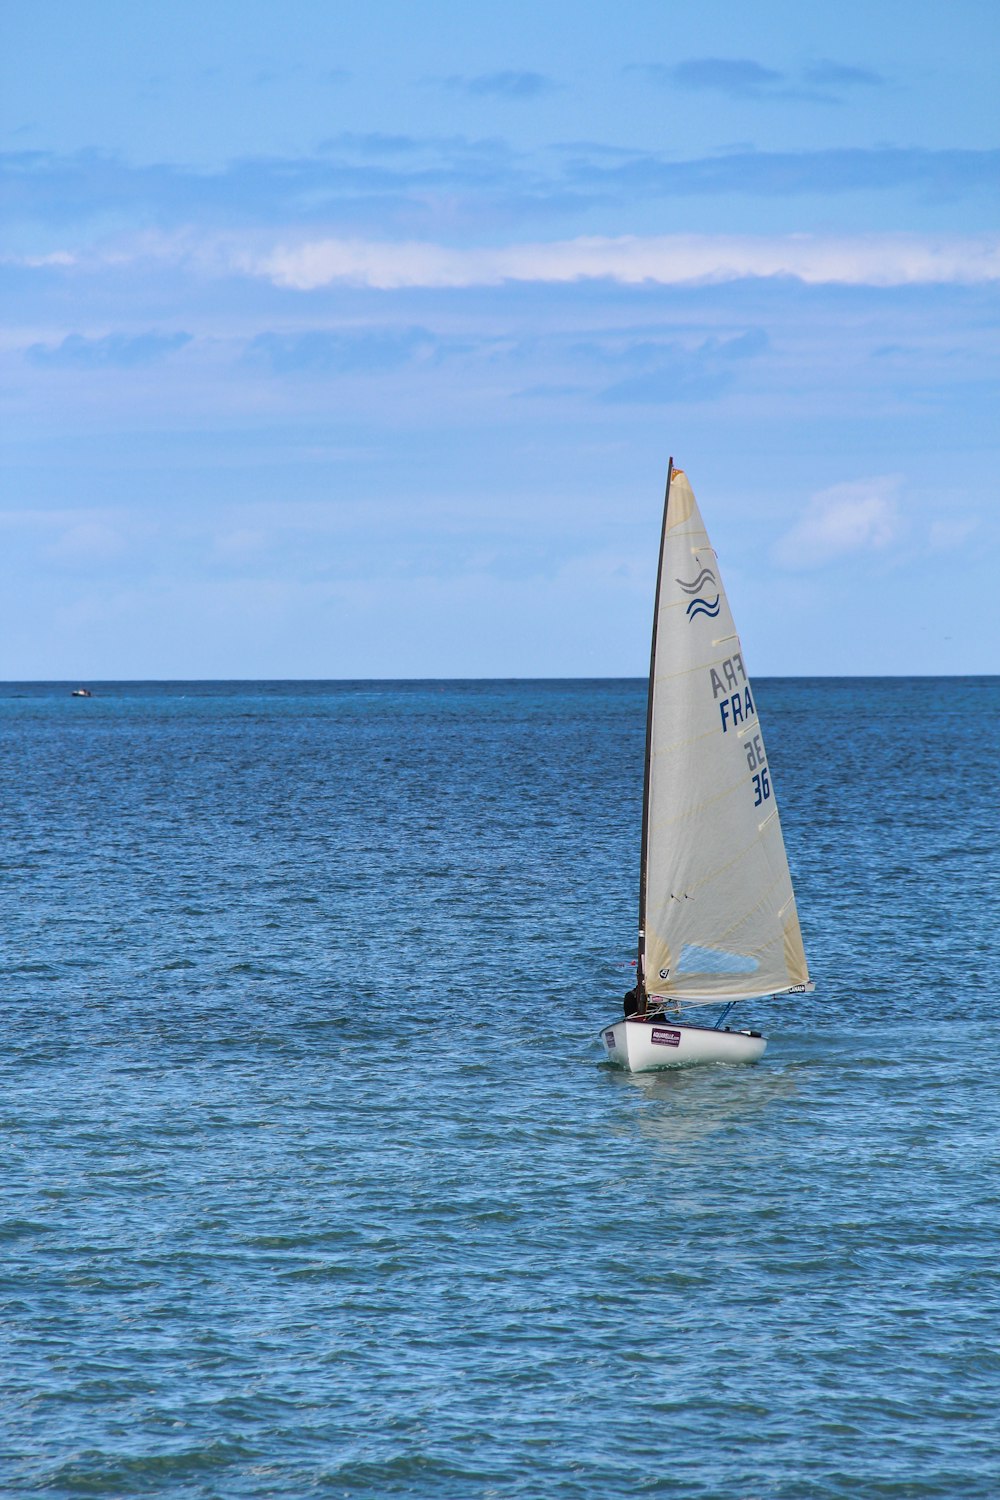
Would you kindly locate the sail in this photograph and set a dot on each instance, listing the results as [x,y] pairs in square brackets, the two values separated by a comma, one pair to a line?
[719,913]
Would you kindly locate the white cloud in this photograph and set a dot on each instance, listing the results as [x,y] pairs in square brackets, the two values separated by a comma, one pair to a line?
[36,262]
[845,519]
[75,538]
[947,536]
[87,542]
[54,520]
[241,545]
[883,260]
[870,260]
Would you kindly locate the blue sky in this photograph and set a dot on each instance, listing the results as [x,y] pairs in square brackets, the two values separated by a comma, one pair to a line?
[349,340]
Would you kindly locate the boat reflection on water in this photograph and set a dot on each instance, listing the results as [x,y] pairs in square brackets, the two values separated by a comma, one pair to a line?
[695,1103]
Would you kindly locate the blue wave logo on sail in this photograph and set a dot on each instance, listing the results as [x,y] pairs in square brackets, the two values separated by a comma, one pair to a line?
[700,605]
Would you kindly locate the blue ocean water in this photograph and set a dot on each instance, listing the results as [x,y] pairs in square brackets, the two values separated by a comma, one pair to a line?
[315,1181]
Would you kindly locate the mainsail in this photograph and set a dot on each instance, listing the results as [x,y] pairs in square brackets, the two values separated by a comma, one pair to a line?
[717,914]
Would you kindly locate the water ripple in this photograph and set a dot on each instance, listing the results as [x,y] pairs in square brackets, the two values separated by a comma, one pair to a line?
[316,1183]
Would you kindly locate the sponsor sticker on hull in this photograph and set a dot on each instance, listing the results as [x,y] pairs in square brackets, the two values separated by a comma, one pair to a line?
[661,1037]
[609,1040]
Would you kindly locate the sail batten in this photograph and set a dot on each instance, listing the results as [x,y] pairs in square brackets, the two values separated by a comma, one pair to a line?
[715,888]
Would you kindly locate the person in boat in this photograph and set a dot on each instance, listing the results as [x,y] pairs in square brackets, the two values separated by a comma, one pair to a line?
[633,1006]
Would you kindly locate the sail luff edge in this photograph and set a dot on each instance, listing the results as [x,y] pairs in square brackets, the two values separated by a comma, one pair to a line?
[644,853]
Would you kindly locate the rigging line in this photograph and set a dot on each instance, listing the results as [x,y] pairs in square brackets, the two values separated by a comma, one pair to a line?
[700,997]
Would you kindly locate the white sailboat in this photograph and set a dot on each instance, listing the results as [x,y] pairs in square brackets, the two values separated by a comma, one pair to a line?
[717,917]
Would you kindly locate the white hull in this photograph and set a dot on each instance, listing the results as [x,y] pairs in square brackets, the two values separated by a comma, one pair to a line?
[641,1045]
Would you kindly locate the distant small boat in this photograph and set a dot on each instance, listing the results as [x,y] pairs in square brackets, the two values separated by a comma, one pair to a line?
[81,693]
[717,918]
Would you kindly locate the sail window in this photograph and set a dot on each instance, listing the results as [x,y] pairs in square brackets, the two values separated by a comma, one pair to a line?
[696,960]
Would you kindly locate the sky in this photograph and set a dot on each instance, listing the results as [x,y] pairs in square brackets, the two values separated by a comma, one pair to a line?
[351,340]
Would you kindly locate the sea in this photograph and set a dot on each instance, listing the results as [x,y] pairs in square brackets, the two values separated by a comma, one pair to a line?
[315,1181]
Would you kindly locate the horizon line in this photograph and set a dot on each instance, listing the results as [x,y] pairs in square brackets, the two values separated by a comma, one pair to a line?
[605,677]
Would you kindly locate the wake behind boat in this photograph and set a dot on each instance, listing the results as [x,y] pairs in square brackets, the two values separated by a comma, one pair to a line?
[717,917]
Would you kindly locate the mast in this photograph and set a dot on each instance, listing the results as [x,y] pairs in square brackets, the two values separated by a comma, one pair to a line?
[640,979]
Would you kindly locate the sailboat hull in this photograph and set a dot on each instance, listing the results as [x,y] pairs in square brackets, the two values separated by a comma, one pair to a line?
[641,1045]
